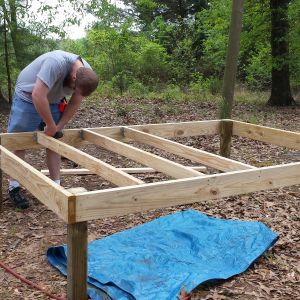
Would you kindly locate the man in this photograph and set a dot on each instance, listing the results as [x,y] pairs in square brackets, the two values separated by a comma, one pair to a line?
[37,99]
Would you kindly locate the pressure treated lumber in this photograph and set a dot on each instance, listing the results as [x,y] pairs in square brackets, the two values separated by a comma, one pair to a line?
[182,129]
[124,200]
[49,193]
[158,163]
[77,261]
[206,158]
[168,130]
[266,134]
[25,140]
[127,170]
[99,167]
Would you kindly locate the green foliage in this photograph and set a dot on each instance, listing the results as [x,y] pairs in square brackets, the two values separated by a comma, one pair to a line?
[121,81]
[155,49]
[258,70]
[152,63]
[214,22]
[255,62]
[202,85]
[171,11]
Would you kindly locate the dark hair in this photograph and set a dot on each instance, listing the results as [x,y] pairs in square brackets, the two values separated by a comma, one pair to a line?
[86,80]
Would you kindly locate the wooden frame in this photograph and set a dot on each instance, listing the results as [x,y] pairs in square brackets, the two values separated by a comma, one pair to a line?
[187,185]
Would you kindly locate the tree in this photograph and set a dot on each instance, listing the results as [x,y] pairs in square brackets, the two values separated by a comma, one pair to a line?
[232,59]
[23,37]
[170,10]
[230,75]
[280,91]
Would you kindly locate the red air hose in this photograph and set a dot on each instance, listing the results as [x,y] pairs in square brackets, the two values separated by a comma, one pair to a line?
[9,270]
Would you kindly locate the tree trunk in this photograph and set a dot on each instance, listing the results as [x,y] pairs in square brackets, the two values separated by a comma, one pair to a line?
[231,59]
[280,91]
[10,16]
[4,103]
[7,63]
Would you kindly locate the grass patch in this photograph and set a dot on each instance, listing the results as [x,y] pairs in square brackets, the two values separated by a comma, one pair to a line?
[168,97]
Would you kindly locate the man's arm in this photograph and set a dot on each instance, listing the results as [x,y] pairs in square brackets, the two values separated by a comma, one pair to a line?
[41,103]
[70,110]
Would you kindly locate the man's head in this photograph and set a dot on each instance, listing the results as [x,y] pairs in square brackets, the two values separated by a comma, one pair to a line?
[86,81]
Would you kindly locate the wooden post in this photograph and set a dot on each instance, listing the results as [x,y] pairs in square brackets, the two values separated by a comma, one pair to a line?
[225,137]
[77,261]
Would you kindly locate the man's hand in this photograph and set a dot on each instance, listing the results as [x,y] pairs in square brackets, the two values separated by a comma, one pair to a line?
[50,130]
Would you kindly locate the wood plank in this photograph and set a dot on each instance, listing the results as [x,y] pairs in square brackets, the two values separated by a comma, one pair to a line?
[26,140]
[168,130]
[266,134]
[44,189]
[206,158]
[181,129]
[77,261]
[127,170]
[163,165]
[77,190]
[97,166]
[120,201]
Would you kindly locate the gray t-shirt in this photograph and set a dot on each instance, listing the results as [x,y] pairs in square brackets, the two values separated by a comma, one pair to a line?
[52,68]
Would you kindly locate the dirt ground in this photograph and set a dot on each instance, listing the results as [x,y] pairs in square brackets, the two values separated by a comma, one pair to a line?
[26,235]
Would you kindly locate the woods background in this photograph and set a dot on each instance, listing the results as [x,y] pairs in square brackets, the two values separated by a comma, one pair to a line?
[149,48]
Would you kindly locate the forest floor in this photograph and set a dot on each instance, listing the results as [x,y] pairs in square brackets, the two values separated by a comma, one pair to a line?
[26,235]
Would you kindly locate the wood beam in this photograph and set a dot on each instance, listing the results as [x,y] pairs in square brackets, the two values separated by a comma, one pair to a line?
[77,261]
[44,189]
[97,166]
[26,140]
[124,200]
[206,158]
[158,163]
[182,129]
[266,134]
[127,170]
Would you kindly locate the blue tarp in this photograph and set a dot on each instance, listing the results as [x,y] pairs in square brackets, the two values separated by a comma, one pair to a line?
[154,260]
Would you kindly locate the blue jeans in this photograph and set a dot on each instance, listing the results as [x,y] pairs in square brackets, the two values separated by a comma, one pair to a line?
[24,117]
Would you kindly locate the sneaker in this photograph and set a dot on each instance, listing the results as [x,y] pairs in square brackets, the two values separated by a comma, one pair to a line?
[18,198]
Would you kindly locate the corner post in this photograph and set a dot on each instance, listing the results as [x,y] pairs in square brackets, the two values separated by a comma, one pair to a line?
[77,261]
[225,137]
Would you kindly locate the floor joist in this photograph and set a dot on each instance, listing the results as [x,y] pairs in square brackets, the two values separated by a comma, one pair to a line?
[156,162]
[266,134]
[99,167]
[206,158]
[127,170]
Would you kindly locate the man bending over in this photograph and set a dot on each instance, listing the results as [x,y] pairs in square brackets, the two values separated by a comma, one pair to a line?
[39,92]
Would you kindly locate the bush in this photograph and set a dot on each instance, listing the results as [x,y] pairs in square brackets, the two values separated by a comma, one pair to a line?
[258,71]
